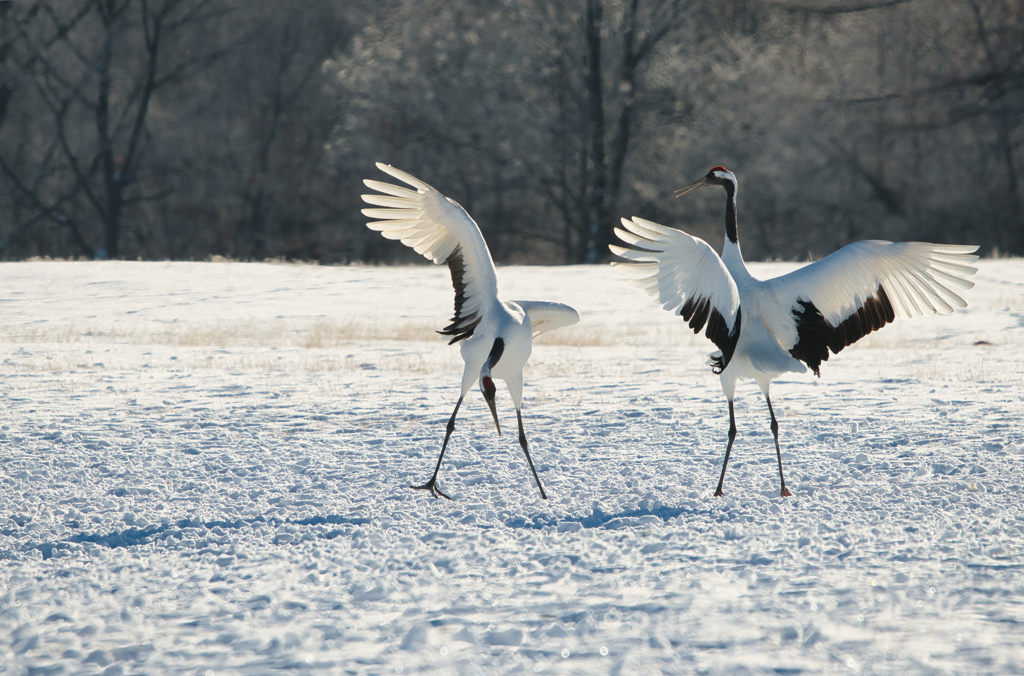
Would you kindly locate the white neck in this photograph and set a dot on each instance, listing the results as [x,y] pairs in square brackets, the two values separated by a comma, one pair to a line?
[733,259]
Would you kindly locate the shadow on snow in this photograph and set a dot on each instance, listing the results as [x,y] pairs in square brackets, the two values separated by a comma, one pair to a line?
[134,536]
[600,519]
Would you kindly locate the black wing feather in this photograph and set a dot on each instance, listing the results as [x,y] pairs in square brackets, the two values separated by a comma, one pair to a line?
[698,311]
[461,327]
[816,336]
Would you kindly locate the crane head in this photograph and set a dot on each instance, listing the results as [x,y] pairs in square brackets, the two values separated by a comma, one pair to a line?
[717,176]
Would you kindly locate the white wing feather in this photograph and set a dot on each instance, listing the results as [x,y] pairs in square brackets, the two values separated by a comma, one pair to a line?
[918,278]
[435,226]
[546,316]
[674,268]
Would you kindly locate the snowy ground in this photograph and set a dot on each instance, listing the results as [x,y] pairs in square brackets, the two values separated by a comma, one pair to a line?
[203,469]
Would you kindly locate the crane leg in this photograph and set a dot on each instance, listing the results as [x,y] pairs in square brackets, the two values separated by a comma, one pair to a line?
[432,484]
[778,453]
[728,449]
[522,442]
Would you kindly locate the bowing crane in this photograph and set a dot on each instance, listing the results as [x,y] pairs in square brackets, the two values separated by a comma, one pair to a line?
[763,328]
[496,336]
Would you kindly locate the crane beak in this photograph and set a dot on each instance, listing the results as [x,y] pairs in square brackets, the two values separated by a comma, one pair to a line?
[487,386]
[686,190]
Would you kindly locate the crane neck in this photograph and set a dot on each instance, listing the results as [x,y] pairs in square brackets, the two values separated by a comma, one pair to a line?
[730,213]
[731,254]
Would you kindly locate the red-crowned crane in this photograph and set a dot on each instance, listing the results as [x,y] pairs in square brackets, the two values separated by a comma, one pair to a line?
[496,336]
[763,328]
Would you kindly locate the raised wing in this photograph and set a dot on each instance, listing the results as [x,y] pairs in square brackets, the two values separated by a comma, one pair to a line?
[546,316]
[864,286]
[439,229]
[686,277]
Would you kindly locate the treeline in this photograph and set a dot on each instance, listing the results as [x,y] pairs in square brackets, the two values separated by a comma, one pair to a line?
[183,129]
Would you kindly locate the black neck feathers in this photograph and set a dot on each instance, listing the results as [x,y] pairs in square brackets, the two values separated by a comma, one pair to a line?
[496,350]
[730,212]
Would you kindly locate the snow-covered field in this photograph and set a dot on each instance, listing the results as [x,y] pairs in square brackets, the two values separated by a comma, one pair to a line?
[203,468]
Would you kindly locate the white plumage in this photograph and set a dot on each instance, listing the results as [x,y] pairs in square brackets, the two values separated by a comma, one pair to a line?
[496,336]
[789,323]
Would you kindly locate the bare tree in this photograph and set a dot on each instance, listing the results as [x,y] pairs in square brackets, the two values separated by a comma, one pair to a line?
[543,118]
[421,91]
[638,27]
[275,121]
[152,128]
[8,19]
[942,119]
[97,66]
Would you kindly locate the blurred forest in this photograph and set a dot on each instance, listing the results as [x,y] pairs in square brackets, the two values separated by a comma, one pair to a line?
[183,129]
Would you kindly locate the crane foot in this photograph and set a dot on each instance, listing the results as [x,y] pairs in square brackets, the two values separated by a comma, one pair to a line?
[432,487]
[785,493]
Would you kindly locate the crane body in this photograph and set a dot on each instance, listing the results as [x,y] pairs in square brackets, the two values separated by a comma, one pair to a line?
[496,336]
[791,323]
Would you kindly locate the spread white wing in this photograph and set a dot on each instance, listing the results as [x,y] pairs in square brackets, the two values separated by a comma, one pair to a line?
[907,279]
[861,288]
[685,276]
[438,228]
[546,316]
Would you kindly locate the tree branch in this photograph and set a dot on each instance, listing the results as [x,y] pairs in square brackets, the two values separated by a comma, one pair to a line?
[49,212]
[839,9]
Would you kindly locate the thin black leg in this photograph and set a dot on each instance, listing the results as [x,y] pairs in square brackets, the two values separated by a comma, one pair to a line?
[522,442]
[432,484]
[778,452]
[728,449]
